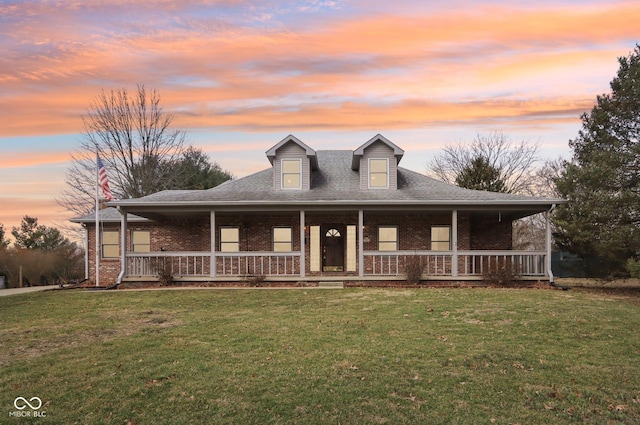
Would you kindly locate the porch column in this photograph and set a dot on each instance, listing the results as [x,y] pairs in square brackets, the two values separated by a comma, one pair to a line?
[548,243]
[86,252]
[123,238]
[303,256]
[212,266]
[360,243]
[454,243]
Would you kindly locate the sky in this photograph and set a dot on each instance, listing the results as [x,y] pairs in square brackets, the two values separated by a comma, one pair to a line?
[240,75]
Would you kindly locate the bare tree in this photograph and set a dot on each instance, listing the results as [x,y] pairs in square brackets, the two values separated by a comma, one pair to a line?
[514,162]
[133,136]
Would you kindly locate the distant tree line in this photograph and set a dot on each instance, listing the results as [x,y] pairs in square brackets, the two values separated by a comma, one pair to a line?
[39,255]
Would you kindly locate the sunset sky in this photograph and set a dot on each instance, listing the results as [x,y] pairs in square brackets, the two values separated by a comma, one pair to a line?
[240,75]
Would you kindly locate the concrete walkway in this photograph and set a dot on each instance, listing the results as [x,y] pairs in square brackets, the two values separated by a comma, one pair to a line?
[15,291]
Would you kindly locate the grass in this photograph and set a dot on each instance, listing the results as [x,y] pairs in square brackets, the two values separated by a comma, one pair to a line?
[362,356]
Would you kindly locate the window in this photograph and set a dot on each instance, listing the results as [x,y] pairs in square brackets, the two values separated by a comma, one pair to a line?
[291,171]
[229,239]
[333,233]
[110,244]
[282,240]
[440,238]
[378,173]
[141,241]
[388,238]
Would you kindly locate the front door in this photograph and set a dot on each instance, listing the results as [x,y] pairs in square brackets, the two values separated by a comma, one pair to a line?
[333,236]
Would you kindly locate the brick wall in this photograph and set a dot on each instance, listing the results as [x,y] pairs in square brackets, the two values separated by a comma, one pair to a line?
[109,267]
[414,229]
[490,232]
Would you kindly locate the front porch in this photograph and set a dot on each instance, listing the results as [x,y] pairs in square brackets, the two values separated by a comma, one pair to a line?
[348,245]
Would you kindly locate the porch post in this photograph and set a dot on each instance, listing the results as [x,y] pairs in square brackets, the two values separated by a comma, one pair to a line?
[454,243]
[123,238]
[303,256]
[548,243]
[360,243]
[212,262]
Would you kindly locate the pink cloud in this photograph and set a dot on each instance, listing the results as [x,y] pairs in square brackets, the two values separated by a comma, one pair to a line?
[264,77]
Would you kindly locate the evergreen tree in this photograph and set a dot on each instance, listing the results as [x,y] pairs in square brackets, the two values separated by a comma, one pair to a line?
[480,175]
[602,180]
[31,235]
[3,241]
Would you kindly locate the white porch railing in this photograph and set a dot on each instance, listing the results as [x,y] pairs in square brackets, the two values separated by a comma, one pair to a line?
[376,263]
[227,264]
[177,263]
[470,263]
[258,263]
[520,263]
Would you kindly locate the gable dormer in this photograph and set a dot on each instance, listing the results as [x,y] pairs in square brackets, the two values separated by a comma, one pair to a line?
[292,163]
[377,161]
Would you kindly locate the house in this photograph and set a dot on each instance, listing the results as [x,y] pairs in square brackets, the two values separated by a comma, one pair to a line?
[326,215]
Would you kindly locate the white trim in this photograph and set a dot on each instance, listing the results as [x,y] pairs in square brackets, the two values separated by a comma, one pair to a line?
[123,236]
[303,256]
[369,173]
[351,248]
[212,262]
[360,243]
[548,242]
[453,242]
[221,242]
[443,226]
[282,186]
[314,248]
[273,238]
[397,240]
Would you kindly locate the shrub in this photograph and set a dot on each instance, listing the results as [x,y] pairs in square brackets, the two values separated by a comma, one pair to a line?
[413,270]
[163,270]
[500,273]
[256,280]
[633,267]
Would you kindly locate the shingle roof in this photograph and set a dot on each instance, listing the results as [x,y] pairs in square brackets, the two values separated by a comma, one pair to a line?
[333,183]
[107,215]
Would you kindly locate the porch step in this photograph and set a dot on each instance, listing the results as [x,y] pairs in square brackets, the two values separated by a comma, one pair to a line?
[331,285]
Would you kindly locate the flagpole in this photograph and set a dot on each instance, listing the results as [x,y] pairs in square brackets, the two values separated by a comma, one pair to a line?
[97,222]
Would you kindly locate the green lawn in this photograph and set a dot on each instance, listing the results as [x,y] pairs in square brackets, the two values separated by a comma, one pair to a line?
[361,356]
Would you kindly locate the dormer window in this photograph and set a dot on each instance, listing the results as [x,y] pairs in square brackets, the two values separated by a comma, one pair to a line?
[377,163]
[378,173]
[291,173]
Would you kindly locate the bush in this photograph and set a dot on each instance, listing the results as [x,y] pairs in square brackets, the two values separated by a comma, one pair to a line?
[162,268]
[633,267]
[413,270]
[256,280]
[500,273]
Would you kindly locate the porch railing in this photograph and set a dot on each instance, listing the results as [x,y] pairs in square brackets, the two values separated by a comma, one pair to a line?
[176,263]
[520,263]
[376,263]
[470,263]
[258,263]
[227,264]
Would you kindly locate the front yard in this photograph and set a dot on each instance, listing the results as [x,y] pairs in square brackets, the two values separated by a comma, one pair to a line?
[467,356]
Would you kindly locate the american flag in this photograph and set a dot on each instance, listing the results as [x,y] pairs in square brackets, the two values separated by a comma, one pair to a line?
[104,180]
